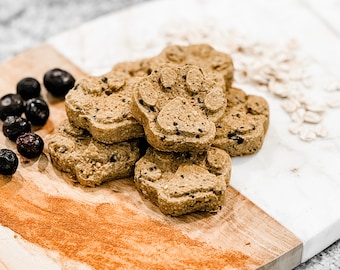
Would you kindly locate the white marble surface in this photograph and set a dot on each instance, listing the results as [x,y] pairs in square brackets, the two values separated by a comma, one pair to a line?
[295,182]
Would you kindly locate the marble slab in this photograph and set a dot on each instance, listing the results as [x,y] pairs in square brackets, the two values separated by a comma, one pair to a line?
[295,182]
[327,12]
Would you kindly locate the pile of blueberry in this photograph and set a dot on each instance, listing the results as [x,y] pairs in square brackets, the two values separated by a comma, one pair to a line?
[20,111]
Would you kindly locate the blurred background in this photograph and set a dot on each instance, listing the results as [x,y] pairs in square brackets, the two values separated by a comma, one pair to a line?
[50,17]
[18,32]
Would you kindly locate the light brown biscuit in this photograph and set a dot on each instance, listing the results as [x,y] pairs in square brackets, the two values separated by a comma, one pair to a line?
[101,105]
[202,55]
[242,129]
[89,162]
[183,183]
[137,68]
[178,107]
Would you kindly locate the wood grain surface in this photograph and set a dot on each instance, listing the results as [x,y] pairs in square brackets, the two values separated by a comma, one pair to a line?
[112,227]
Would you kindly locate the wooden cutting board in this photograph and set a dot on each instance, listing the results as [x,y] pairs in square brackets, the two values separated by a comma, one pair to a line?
[112,227]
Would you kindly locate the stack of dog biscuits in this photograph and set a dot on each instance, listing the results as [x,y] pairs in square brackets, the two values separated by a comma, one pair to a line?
[178,106]
[73,150]
[202,55]
[99,141]
[183,104]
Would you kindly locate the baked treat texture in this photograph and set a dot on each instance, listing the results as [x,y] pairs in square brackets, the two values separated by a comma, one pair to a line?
[74,151]
[101,105]
[178,107]
[242,129]
[137,68]
[183,183]
[202,55]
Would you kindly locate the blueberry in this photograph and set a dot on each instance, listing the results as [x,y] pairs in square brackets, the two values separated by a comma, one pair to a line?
[37,111]
[30,145]
[14,126]
[8,162]
[11,104]
[28,88]
[58,82]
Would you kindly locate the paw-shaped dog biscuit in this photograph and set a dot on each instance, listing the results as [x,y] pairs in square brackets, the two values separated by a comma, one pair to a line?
[101,105]
[182,183]
[202,55]
[74,151]
[242,129]
[178,107]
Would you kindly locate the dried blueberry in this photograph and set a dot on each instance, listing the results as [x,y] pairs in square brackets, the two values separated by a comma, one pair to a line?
[28,88]
[11,104]
[14,126]
[37,111]
[58,82]
[8,162]
[30,145]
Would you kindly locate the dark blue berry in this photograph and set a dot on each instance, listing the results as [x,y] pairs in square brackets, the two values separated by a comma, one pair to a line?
[58,82]
[11,104]
[28,88]
[30,145]
[8,162]
[37,111]
[14,126]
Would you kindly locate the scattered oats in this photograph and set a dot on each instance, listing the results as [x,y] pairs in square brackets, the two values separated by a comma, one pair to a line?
[312,117]
[296,92]
[307,134]
[298,74]
[295,128]
[285,57]
[281,75]
[334,86]
[315,107]
[298,116]
[307,82]
[284,69]
[259,79]
[321,131]
[278,89]
[290,105]
[334,102]
[262,88]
